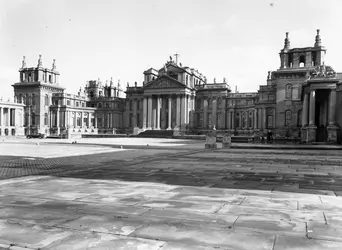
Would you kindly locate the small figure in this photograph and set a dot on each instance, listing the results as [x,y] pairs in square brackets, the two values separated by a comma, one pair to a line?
[269,136]
[23,64]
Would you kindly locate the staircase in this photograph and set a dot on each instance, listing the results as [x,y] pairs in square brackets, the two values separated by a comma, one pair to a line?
[156,134]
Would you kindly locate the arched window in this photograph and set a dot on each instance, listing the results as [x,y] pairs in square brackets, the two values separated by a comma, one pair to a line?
[288,92]
[288,118]
[237,120]
[107,105]
[99,105]
[91,94]
[244,120]
[299,118]
[210,103]
[199,103]
[302,61]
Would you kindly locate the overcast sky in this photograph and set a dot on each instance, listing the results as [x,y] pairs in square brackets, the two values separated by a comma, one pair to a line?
[239,40]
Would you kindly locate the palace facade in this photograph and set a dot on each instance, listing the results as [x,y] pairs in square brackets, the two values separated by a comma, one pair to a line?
[299,101]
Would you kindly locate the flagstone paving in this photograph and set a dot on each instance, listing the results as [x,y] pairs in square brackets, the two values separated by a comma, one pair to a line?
[182,197]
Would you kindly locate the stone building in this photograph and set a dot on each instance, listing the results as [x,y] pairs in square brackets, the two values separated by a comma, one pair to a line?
[11,118]
[298,101]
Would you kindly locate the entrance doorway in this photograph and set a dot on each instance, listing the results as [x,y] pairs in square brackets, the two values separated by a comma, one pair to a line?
[321,114]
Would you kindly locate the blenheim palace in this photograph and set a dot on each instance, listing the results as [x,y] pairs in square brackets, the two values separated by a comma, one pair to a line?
[300,100]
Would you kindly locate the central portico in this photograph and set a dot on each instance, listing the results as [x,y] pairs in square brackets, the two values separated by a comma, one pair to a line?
[167,97]
[167,104]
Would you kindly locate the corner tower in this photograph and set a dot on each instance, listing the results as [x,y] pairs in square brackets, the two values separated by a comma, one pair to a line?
[307,57]
[34,89]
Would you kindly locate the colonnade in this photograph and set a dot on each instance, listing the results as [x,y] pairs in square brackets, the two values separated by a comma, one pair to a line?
[8,117]
[309,105]
[166,111]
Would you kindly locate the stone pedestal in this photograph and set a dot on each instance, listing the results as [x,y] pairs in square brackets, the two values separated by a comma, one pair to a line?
[210,142]
[136,131]
[332,133]
[226,141]
[303,135]
[311,133]
[176,131]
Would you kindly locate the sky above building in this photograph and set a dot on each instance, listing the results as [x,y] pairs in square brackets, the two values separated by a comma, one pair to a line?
[238,40]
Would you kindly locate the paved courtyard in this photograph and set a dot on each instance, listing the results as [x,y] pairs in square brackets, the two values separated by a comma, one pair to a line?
[167,194]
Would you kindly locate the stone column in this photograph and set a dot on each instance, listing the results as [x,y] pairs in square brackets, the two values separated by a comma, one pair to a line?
[255,119]
[170,112]
[233,120]
[311,129]
[81,119]
[229,119]
[95,120]
[183,111]
[264,120]
[312,108]
[214,119]
[223,114]
[149,114]
[13,117]
[144,112]
[103,120]
[178,111]
[305,110]
[332,129]
[89,120]
[157,126]
[8,118]
[1,116]
[58,121]
[205,113]
[134,113]
[332,107]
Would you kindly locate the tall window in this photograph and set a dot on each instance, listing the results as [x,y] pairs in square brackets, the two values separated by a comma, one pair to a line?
[45,119]
[299,118]
[33,119]
[270,118]
[46,100]
[288,92]
[33,99]
[288,118]
[237,120]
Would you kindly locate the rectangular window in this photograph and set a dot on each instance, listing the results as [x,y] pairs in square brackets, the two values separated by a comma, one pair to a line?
[270,121]
[68,102]
[77,104]
[78,121]
[85,121]
[271,97]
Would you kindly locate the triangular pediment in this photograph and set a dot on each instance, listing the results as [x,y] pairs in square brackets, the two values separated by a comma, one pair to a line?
[165,82]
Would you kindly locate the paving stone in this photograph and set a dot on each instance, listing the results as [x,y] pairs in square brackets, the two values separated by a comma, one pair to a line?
[301,243]
[32,236]
[230,239]
[105,224]
[322,231]
[205,207]
[179,246]
[215,220]
[270,203]
[80,241]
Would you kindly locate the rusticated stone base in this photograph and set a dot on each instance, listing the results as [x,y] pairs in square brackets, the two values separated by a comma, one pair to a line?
[332,133]
[311,133]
